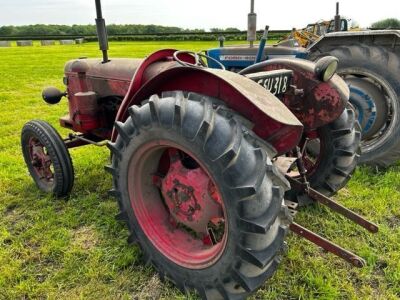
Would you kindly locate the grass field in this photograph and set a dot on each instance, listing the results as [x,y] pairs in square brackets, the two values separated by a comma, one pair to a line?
[56,249]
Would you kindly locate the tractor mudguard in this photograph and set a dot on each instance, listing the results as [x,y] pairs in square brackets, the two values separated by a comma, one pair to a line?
[317,103]
[270,119]
[385,38]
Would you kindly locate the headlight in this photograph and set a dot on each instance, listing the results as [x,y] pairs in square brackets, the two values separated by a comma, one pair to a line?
[326,67]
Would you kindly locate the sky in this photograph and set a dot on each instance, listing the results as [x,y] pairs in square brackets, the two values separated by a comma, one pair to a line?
[205,14]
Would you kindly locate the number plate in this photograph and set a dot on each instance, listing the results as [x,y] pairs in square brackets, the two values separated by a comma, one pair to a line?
[277,82]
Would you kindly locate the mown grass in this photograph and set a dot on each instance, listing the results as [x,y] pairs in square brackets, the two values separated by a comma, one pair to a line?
[75,249]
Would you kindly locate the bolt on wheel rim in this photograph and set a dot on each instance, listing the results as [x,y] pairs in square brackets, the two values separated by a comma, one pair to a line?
[177,204]
[41,161]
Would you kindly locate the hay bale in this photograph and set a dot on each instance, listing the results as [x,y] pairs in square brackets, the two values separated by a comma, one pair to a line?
[67,42]
[24,43]
[47,42]
[79,41]
[5,44]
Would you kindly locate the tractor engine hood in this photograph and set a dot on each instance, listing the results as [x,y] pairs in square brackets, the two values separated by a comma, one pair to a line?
[116,69]
[106,79]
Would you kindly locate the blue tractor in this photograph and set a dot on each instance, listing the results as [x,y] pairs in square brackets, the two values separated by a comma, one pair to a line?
[368,61]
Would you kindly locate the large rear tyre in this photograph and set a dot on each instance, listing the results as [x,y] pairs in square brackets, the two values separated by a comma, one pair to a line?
[47,158]
[374,78]
[202,201]
[331,156]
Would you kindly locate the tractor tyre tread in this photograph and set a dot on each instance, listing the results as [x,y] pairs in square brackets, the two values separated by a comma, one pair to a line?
[339,160]
[256,207]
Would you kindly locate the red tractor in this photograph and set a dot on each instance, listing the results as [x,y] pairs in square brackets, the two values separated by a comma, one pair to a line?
[202,158]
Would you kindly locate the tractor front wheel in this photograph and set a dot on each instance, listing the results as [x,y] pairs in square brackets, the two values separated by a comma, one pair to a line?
[47,158]
[204,204]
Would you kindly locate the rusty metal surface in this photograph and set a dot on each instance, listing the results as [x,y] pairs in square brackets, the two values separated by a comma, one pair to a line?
[158,73]
[115,69]
[190,195]
[327,245]
[258,96]
[272,120]
[320,103]
[268,120]
[89,80]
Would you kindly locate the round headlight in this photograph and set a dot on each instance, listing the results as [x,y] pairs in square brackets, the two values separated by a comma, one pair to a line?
[326,67]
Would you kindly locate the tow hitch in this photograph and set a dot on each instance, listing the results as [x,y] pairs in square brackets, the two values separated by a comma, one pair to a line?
[301,185]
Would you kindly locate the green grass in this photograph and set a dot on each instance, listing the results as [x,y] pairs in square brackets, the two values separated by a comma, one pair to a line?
[76,250]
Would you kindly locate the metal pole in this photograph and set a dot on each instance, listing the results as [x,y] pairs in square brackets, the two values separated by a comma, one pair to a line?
[337,18]
[98,9]
[101,31]
[251,25]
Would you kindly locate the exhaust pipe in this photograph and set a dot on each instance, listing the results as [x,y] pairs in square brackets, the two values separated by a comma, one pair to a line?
[252,25]
[101,32]
[337,18]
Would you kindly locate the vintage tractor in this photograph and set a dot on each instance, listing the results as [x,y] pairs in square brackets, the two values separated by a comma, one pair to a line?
[201,158]
[369,62]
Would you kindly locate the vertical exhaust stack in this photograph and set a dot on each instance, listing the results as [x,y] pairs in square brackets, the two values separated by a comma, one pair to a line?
[252,25]
[337,18]
[101,32]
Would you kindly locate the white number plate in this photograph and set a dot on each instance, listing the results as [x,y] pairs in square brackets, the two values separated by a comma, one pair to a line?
[276,84]
[276,81]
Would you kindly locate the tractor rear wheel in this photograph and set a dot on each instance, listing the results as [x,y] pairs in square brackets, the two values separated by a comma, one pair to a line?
[330,156]
[374,78]
[47,158]
[202,201]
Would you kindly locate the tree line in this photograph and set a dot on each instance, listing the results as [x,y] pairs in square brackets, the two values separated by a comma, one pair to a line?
[390,23]
[89,30]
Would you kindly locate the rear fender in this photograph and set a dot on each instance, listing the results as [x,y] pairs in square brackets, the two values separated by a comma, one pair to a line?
[270,119]
[389,39]
[321,103]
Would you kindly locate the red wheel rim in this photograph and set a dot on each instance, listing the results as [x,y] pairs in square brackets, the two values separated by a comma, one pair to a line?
[177,204]
[40,161]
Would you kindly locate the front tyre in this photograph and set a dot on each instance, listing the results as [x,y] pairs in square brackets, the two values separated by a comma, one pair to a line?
[47,158]
[203,203]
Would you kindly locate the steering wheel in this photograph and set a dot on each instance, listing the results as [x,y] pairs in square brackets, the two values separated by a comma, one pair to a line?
[197,58]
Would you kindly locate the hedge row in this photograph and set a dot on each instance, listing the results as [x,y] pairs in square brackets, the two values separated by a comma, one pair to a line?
[172,37]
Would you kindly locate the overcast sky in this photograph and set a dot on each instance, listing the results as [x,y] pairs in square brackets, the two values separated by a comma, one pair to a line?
[279,14]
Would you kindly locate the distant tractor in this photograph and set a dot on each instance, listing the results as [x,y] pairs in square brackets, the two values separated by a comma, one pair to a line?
[369,62]
[201,158]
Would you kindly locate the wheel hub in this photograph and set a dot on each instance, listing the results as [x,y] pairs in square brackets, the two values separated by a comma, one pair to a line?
[40,160]
[190,196]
